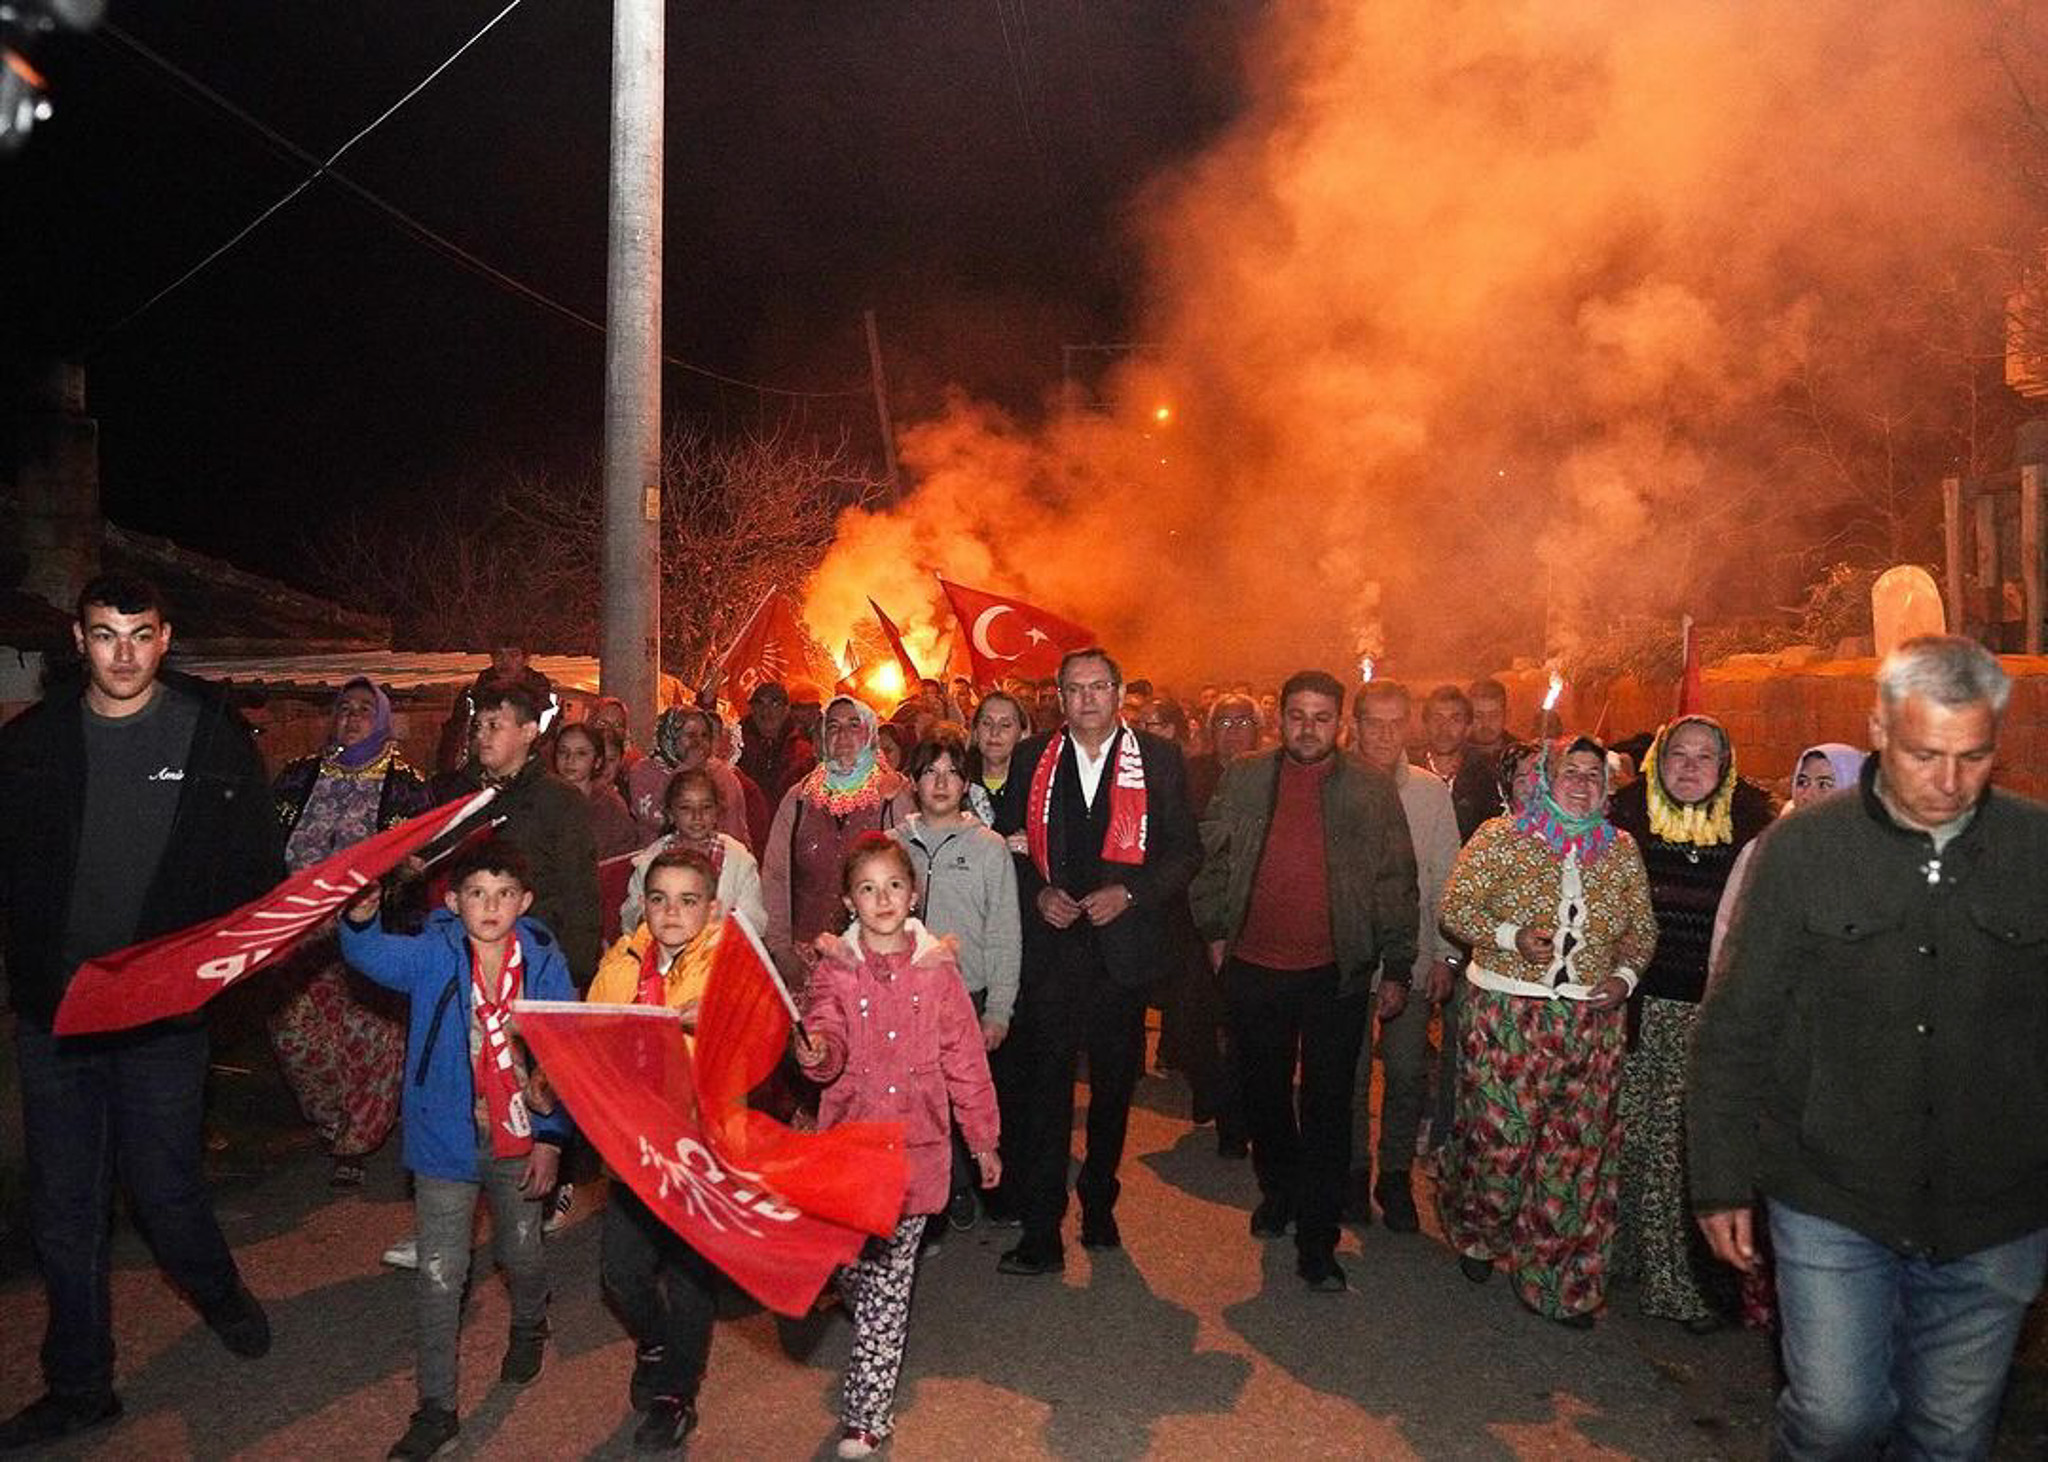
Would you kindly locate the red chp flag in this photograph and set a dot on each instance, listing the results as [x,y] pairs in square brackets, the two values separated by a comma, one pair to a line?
[1009,637]
[776,1209]
[911,674]
[175,974]
[774,645]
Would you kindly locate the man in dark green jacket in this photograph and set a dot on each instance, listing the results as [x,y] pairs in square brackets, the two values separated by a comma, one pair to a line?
[543,816]
[1874,1063]
[1307,892]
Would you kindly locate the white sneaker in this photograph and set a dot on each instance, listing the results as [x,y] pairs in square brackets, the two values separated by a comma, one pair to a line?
[854,1442]
[558,1211]
[405,1254]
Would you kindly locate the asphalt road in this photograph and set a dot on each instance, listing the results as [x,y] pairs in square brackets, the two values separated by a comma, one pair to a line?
[1195,1340]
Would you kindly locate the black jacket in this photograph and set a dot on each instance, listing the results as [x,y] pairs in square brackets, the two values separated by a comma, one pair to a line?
[1685,886]
[1136,947]
[1876,1053]
[225,845]
[550,824]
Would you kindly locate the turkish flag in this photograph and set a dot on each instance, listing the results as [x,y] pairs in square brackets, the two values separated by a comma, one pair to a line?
[1009,637]
[774,645]
[175,974]
[911,674]
[778,1210]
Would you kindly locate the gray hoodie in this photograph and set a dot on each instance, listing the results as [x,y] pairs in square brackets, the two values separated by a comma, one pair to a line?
[967,887]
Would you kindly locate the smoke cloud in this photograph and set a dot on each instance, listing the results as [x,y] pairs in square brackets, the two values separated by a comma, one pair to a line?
[1480,325]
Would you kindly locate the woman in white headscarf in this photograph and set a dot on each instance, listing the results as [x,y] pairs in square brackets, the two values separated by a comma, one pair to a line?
[851,791]
[1820,771]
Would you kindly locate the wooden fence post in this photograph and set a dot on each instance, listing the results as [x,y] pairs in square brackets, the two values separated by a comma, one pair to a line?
[2030,556]
[1952,548]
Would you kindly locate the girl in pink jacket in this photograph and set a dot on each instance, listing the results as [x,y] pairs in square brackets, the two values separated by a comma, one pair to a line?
[893,1037]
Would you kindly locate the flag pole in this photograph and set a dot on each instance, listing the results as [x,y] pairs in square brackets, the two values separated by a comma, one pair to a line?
[796,1020]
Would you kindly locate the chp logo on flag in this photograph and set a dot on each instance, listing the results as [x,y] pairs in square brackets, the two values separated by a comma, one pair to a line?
[776,1209]
[177,973]
[692,1174]
[774,645]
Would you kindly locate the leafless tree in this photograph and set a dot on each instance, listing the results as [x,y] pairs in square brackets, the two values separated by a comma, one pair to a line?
[740,515]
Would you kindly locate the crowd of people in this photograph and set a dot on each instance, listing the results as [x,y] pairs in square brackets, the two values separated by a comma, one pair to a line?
[1636,1020]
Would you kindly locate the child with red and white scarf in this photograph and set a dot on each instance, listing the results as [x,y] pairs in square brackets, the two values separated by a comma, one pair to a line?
[470,1119]
[663,1289]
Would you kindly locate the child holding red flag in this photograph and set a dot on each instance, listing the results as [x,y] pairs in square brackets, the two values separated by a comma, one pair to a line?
[892,1036]
[465,1109]
[662,1288]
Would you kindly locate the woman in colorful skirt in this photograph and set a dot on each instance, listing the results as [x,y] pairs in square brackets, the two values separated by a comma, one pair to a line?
[1691,815]
[1554,904]
[336,1038]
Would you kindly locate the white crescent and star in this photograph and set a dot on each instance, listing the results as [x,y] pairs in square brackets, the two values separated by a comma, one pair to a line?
[979,634]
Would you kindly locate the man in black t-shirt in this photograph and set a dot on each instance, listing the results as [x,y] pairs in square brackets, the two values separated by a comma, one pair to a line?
[135,806]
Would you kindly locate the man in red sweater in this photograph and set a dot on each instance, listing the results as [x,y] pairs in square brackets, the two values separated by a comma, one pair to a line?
[1307,895]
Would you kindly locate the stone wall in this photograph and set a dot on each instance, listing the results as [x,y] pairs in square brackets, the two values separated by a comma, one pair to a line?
[1775,710]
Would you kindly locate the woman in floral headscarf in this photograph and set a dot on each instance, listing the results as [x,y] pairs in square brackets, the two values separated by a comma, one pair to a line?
[850,792]
[1692,814]
[339,1048]
[1553,902]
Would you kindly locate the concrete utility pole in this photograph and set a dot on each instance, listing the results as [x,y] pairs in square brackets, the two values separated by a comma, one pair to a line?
[630,655]
[881,385]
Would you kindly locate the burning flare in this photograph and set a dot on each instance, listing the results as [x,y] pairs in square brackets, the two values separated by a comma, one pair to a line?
[1556,690]
[887,680]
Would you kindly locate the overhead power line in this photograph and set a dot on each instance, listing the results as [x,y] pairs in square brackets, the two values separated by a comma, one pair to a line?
[410,226]
[320,168]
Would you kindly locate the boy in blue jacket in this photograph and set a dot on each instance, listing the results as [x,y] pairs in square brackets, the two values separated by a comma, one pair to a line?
[465,1104]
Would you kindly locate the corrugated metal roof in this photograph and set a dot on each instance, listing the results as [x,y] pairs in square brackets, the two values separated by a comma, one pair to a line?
[396,670]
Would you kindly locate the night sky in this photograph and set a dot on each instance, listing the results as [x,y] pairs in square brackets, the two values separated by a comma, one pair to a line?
[822,157]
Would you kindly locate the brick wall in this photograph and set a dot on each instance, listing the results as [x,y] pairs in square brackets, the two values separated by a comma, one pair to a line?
[1774,712]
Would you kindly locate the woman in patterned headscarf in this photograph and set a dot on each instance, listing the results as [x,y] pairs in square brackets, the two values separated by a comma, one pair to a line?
[849,792]
[1553,902]
[1692,815]
[339,1047]
[686,739]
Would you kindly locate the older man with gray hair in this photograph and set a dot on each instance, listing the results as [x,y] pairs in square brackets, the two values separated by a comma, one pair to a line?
[1379,723]
[1875,1067]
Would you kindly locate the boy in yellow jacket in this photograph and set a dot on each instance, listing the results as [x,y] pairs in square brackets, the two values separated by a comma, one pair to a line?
[661,1287]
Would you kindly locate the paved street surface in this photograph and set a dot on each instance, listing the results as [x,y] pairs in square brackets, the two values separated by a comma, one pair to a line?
[1195,1341]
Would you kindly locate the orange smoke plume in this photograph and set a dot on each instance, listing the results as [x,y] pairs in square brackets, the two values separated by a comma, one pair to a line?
[1477,320]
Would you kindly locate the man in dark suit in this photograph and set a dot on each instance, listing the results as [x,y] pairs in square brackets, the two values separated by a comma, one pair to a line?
[1108,845]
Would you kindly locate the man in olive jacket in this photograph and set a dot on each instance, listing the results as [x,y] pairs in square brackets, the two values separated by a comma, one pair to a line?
[1307,894]
[1874,1063]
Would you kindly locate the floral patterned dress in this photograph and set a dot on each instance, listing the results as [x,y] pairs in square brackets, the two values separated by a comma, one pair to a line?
[339,1043]
[1529,1175]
